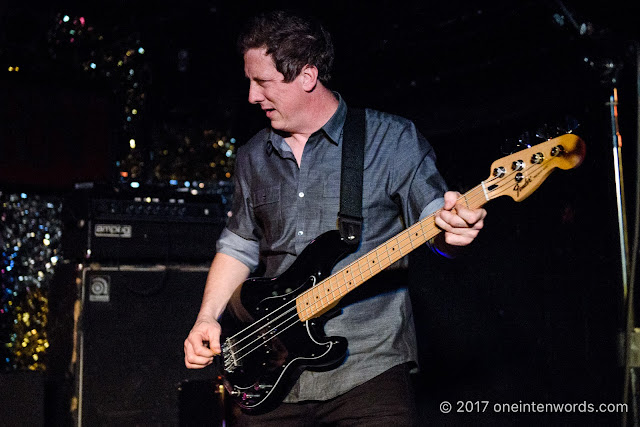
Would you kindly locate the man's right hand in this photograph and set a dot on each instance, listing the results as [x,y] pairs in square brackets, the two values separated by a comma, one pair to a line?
[197,354]
[225,276]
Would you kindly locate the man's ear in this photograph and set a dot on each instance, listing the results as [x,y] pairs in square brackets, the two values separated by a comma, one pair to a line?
[309,77]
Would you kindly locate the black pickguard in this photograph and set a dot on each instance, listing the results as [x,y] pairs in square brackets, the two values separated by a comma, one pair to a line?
[263,354]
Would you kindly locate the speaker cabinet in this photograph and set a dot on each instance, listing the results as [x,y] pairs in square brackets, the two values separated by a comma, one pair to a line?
[131,361]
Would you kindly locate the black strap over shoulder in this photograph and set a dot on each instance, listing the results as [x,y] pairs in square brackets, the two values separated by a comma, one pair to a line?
[350,215]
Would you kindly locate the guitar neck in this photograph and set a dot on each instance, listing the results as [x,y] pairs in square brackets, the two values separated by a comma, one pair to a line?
[327,293]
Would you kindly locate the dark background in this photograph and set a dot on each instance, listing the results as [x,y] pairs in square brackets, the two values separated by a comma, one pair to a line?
[532,311]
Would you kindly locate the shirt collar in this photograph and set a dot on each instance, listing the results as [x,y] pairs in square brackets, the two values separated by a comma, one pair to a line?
[332,129]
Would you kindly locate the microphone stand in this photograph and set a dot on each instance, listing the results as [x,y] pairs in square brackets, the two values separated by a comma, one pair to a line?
[631,338]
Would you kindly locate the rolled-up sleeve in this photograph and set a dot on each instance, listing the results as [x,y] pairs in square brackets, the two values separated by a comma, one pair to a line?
[245,251]
[432,207]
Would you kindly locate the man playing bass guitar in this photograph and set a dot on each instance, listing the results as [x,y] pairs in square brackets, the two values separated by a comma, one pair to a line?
[287,192]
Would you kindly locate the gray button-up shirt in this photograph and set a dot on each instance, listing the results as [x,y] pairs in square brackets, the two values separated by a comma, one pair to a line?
[278,208]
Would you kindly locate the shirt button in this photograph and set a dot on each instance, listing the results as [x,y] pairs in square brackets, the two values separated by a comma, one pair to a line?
[301,194]
[300,233]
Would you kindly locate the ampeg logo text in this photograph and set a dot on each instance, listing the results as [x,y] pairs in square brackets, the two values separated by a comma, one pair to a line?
[100,289]
[122,231]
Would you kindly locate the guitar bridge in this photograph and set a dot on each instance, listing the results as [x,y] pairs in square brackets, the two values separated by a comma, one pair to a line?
[230,361]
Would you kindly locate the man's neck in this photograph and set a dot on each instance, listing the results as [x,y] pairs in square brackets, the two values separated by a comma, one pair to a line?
[321,107]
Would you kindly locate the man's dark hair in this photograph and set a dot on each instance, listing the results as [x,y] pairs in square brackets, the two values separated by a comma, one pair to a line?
[292,40]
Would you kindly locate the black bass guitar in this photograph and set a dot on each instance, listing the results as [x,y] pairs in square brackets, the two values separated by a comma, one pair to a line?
[282,329]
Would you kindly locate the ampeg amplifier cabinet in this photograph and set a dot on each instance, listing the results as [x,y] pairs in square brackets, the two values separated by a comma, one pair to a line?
[143,225]
[131,362]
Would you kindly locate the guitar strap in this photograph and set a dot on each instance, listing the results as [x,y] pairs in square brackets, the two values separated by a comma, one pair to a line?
[350,214]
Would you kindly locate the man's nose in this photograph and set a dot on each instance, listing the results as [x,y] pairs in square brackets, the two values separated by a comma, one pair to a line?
[255,93]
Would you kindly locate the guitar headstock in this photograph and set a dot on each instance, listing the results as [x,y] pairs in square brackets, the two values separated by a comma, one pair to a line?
[520,174]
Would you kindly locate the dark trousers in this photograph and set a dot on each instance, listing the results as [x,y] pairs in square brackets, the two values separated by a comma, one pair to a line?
[386,400]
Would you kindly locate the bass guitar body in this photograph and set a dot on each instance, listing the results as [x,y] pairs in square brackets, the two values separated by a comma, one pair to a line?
[263,359]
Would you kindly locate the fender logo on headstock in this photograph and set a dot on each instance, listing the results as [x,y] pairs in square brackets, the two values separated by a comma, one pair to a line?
[521,185]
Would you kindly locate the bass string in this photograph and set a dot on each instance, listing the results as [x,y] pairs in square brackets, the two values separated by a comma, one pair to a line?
[239,355]
[259,326]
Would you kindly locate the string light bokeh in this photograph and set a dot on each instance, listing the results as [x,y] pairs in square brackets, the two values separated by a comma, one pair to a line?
[170,153]
[30,250]
[117,59]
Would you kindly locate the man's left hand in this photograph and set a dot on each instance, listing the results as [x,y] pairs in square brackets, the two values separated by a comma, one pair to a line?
[460,224]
